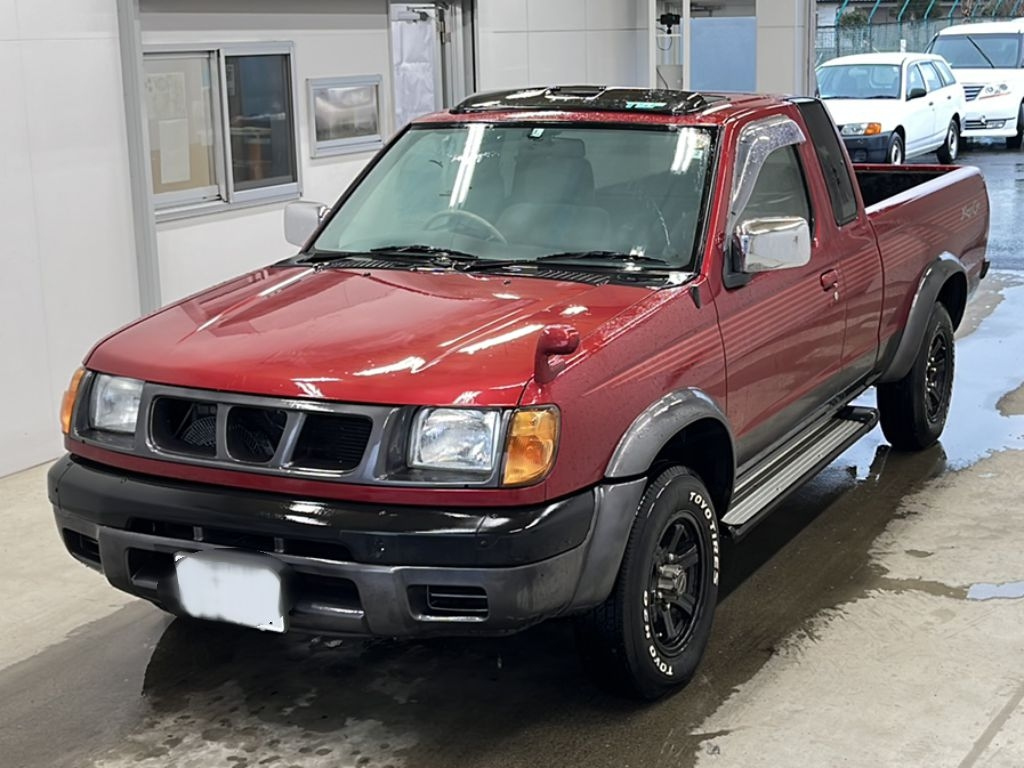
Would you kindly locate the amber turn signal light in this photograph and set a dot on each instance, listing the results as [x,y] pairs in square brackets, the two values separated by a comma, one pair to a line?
[532,442]
[67,405]
[873,129]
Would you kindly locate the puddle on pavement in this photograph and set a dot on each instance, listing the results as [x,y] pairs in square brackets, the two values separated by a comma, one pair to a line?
[1013,590]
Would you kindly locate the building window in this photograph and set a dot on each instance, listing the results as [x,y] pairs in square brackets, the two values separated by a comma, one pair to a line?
[222,127]
[344,114]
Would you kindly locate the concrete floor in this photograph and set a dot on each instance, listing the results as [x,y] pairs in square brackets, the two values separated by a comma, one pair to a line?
[877,619]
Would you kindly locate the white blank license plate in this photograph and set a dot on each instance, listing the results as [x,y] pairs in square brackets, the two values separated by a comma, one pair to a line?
[237,587]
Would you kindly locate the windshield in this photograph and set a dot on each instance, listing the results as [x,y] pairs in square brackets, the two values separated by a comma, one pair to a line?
[979,51]
[519,192]
[859,81]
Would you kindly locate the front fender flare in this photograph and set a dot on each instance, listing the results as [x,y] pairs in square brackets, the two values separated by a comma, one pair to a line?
[932,280]
[662,420]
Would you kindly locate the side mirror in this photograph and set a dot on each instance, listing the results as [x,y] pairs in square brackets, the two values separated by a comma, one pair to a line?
[767,244]
[301,220]
[916,93]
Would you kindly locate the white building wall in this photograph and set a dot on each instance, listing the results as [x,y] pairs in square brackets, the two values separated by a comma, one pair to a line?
[567,42]
[67,261]
[331,39]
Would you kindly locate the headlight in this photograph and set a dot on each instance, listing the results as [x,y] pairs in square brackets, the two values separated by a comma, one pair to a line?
[994,90]
[114,406]
[454,438]
[861,129]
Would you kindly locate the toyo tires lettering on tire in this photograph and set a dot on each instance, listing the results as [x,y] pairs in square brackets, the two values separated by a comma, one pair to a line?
[649,635]
[913,410]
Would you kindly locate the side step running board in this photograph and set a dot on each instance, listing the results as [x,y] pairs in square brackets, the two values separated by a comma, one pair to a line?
[803,456]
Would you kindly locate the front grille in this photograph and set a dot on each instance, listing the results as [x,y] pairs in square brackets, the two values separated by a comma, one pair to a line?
[971,92]
[254,433]
[332,442]
[974,125]
[184,426]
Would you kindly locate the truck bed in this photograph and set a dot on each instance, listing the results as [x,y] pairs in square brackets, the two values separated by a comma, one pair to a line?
[920,213]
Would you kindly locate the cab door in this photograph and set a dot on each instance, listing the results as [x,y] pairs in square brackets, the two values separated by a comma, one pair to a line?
[941,97]
[920,115]
[782,329]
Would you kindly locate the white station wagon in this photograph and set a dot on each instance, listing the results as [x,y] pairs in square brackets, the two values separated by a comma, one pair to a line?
[891,106]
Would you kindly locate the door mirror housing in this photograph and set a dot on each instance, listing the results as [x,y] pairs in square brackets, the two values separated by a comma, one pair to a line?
[764,245]
[301,220]
[916,93]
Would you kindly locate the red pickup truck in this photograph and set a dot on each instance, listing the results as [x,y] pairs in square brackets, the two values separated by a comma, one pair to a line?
[539,359]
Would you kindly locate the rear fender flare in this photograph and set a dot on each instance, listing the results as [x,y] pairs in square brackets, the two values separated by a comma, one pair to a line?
[662,420]
[930,286]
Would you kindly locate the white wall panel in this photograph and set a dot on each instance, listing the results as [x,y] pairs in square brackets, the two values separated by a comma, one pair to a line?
[9,20]
[80,170]
[611,59]
[563,15]
[62,19]
[540,42]
[68,261]
[558,58]
[504,56]
[29,426]
[505,15]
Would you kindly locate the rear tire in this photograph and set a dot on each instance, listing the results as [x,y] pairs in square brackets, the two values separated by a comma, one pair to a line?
[896,153]
[648,637]
[913,410]
[951,147]
[1014,142]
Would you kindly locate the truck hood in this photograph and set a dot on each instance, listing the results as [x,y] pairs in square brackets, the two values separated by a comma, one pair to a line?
[888,112]
[372,336]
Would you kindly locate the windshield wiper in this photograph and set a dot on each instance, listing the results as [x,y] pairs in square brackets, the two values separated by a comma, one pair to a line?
[605,256]
[416,249]
[314,256]
[970,39]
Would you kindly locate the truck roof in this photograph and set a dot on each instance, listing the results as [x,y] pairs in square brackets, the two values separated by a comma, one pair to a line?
[985,27]
[893,58]
[598,103]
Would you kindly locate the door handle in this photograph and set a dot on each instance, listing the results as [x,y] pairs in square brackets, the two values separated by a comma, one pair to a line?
[829,280]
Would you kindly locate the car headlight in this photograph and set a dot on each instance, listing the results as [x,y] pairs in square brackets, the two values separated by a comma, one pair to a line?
[861,129]
[114,405]
[455,439]
[989,91]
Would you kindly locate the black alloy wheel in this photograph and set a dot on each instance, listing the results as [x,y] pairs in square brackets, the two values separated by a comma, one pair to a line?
[675,594]
[936,384]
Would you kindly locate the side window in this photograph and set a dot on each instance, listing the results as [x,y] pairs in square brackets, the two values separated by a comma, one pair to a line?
[914,79]
[833,161]
[780,189]
[944,73]
[931,77]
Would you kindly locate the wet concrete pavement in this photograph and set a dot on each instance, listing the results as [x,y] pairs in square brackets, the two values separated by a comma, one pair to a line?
[848,633]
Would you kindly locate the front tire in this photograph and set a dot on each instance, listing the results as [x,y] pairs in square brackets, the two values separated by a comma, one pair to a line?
[913,410]
[896,153]
[951,147]
[1014,142]
[648,637]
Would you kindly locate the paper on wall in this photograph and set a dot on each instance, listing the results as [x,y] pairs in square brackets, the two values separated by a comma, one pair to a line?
[175,165]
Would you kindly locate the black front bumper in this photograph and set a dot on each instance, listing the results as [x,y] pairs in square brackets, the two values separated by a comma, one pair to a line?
[355,568]
[868,149]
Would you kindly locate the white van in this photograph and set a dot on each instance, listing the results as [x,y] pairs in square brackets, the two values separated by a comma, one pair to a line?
[987,59]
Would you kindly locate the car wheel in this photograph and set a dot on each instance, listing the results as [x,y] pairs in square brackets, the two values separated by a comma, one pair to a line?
[951,147]
[913,410]
[648,637]
[895,154]
[1014,142]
